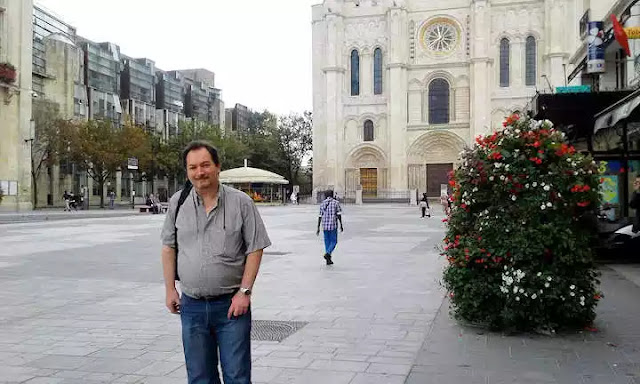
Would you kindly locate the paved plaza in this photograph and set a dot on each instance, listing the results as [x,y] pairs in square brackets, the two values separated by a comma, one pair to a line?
[83,302]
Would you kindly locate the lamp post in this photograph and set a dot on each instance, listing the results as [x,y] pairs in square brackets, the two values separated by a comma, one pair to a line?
[34,191]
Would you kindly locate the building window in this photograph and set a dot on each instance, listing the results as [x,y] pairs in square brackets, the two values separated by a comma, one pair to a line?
[439,102]
[355,73]
[531,61]
[377,71]
[504,62]
[368,130]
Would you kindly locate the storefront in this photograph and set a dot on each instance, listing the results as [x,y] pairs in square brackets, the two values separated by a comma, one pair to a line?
[605,125]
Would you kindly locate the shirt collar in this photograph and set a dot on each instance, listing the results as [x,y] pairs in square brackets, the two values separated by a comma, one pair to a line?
[221,193]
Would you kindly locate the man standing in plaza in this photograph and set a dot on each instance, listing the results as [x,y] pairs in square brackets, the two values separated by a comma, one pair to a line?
[219,237]
[330,214]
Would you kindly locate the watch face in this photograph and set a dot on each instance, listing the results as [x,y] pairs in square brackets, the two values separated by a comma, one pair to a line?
[440,36]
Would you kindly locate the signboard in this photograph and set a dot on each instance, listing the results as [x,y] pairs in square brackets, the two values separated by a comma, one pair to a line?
[633,32]
[595,47]
[132,163]
[584,24]
[574,89]
[609,189]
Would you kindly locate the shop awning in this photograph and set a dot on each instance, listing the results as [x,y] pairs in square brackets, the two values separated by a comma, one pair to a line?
[617,112]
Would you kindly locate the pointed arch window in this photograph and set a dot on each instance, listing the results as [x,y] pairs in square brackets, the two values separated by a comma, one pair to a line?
[505,50]
[531,61]
[439,102]
[377,71]
[368,130]
[355,73]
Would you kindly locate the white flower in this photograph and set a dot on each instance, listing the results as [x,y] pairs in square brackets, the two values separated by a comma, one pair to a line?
[539,274]
[517,130]
[498,165]
[526,294]
[572,294]
[534,296]
[491,178]
[534,184]
[543,207]
[517,298]
[568,159]
[475,189]
[582,303]
[502,177]
[546,285]
[526,185]
[515,289]
[541,291]
[559,195]
[572,286]
[514,198]
[524,222]
[546,188]
[542,184]
[521,290]
[516,151]
[549,205]
[581,298]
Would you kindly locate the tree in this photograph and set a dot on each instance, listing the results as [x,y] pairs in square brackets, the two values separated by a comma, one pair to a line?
[101,150]
[295,136]
[519,240]
[45,145]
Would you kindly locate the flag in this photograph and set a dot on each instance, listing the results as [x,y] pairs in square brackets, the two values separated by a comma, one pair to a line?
[621,35]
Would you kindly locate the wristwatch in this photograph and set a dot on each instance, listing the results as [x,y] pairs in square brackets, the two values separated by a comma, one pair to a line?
[245,291]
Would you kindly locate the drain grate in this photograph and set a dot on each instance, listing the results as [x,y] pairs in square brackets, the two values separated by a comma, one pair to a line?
[271,330]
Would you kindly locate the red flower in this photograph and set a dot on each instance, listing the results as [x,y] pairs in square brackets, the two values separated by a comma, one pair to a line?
[479,238]
[584,203]
[622,170]
[463,206]
[466,250]
[597,296]
[445,220]
[586,188]
[536,144]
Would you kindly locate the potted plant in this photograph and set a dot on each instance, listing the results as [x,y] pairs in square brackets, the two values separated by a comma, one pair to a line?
[8,73]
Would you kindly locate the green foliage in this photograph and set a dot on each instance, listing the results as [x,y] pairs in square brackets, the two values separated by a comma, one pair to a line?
[517,243]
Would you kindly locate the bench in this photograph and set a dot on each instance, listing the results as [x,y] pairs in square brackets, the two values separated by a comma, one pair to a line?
[144,208]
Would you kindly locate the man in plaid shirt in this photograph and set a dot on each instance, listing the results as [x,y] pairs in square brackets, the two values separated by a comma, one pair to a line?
[330,214]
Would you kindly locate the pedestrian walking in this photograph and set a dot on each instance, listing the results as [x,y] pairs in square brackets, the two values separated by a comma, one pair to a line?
[330,215]
[67,200]
[293,198]
[112,200]
[213,238]
[424,206]
[446,204]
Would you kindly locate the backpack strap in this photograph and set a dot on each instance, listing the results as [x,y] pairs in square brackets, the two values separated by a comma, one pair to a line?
[183,196]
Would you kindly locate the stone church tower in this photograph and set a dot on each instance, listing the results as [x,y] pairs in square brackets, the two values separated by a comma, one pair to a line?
[401,86]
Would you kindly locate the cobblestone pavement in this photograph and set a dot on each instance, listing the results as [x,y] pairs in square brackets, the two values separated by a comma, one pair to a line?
[455,354]
[83,300]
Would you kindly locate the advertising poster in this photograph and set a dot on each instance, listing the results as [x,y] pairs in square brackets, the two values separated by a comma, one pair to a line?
[609,189]
[595,47]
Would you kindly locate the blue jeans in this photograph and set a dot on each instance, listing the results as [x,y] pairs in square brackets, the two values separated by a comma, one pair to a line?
[330,240]
[205,330]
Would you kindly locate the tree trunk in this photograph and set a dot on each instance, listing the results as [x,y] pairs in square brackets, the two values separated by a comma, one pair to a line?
[34,189]
[101,190]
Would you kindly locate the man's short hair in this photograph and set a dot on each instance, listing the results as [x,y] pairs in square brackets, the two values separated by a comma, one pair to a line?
[197,144]
[328,193]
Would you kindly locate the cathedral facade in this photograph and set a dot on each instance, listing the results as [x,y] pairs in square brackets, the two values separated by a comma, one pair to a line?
[400,87]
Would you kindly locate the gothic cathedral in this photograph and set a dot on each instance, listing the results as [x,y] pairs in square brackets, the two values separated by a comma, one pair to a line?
[400,87]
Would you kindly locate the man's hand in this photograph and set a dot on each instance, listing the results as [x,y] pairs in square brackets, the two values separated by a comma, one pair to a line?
[318,232]
[341,228]
[173,301]
[239,305]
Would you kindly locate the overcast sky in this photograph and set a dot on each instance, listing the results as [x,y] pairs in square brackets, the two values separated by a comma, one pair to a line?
[260,50]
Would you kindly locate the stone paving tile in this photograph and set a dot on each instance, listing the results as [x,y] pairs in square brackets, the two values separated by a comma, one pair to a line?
[301,376]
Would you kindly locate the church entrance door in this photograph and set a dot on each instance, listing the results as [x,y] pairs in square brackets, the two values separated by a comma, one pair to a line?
[437,174]
[369,182]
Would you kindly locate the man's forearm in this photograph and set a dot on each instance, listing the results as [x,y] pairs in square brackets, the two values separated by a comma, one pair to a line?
[169,267]
[340,220]
[251,268]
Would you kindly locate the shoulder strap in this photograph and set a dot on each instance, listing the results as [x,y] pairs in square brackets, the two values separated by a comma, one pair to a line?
[183,197]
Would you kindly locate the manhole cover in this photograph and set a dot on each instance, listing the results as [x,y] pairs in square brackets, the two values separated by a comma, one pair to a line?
[270,330]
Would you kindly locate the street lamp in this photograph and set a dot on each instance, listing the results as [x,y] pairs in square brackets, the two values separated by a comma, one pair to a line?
[32,135]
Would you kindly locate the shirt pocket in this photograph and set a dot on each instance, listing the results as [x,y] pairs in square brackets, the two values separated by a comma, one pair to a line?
[233,243]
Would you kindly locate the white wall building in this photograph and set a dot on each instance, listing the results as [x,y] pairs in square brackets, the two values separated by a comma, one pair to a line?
[401,86]
[16,34]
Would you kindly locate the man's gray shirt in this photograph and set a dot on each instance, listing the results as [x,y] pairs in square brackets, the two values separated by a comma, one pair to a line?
[213,248]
